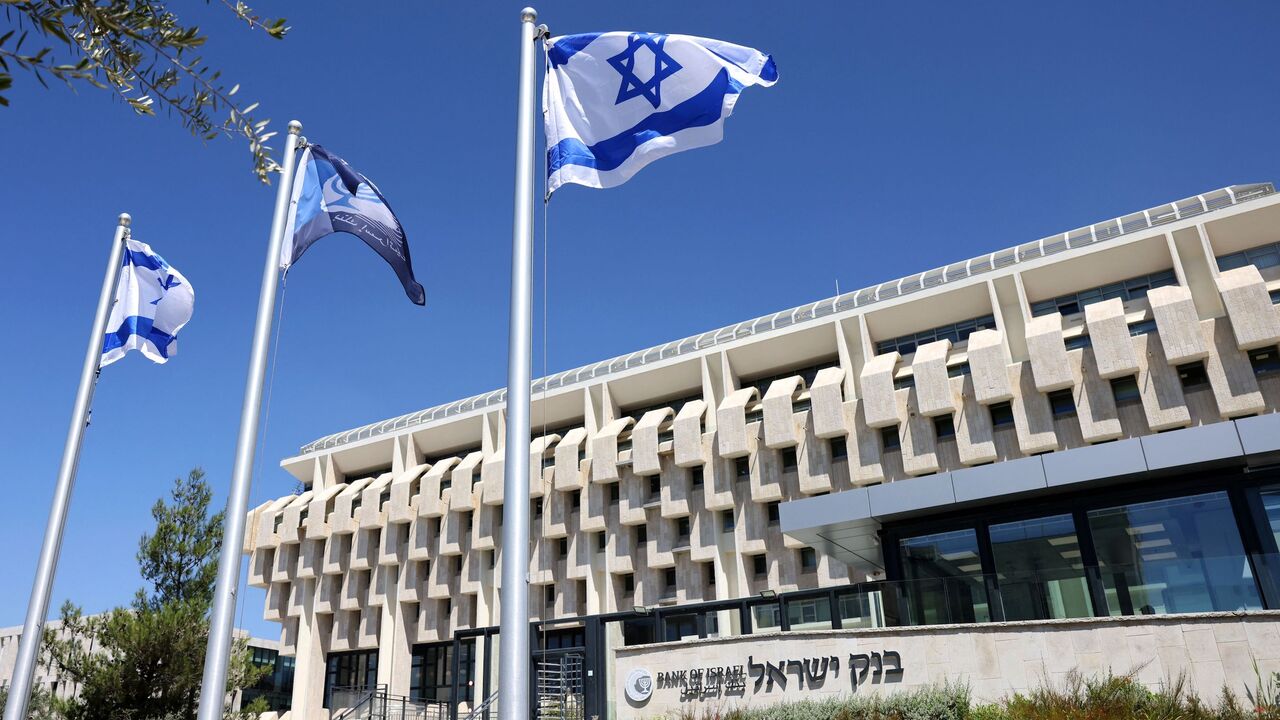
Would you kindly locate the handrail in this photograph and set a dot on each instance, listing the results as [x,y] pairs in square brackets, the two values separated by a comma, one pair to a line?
[478,711]
[1059,242]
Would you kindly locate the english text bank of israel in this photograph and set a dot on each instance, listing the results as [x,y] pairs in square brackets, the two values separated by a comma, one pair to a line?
[1063,455]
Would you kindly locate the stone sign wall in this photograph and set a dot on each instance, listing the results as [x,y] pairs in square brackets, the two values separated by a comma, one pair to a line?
[994,659]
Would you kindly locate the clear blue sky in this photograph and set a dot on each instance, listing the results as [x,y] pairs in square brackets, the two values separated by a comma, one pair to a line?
[901,136]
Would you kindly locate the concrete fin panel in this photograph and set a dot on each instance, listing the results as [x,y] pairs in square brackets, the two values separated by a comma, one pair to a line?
[644,441]
[826,400]
[1094,399]
[1158,384]
[731,423]
[688,434]
[604,450]
[975,437]
[1032,414]
[1048,353]
[569,475]
[1255,320]
[879,403]
[933,386]
[1178,323]
[1109,336]
[779,423]
[988,363]
[1235,387]
[919,443]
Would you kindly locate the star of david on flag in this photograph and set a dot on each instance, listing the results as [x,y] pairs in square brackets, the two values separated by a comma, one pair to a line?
[615,102]
[153,302]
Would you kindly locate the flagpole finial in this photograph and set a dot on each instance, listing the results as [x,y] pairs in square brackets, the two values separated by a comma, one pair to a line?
[528,15]
[125,219]
[295,127]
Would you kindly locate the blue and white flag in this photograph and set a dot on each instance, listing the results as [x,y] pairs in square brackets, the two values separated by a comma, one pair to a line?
[153,302]
[615,102]
[328,197]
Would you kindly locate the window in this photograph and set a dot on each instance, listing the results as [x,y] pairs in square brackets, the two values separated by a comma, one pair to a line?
[563,545]
[628,584]
[613,493]
[766,616]
[958,370]
[1173,556]
[642,534]
[773,513]
[1125,389]
[383,499]
[549,597]
[808,559]
[759,566]
[1077,342]
[1001,414]
[944,427]
[839,448]
[889,439]
[682,528]
[1142,327]
[537,509]
[348,675]
[445,484]
[575,500]
[1192,375]
[904,383]
[809,614]
[1263,256]
[955,332]
[1126,290]
[1265,360]
[431,673]
[808,374]
[789,460]
[695,475]
[742,467]
[655,488]
[1275,296]
[944,580]
[602,542]
[1062,403]
[1040,570]
[726,521]
[669,582]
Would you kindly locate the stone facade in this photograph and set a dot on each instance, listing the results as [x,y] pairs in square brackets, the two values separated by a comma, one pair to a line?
[1208,651]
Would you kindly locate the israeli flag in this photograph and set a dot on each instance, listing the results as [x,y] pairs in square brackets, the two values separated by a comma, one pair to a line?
[153,302]
[615,102]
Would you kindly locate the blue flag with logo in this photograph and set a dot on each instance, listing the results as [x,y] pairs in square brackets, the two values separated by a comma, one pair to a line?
[329,197]
[615,102]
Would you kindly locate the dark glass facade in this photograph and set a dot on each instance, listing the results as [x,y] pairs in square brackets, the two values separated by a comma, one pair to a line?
[276,687]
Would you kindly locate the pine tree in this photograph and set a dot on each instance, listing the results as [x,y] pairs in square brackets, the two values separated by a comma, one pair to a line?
[145,662]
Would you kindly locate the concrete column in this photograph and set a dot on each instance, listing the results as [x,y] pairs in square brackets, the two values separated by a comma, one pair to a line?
[309,663]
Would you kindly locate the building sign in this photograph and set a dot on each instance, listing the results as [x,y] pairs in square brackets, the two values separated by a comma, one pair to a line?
[768,676]
[639,685]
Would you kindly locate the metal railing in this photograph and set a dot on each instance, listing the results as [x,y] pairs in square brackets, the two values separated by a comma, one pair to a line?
[375,703]
[1080,237]
[478,711]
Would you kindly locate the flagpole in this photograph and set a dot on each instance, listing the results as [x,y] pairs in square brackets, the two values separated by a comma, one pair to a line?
[213,686]
[38,607]
[515,658]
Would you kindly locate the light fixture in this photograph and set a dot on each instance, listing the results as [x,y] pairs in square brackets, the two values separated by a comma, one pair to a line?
[641,610]
[767,594]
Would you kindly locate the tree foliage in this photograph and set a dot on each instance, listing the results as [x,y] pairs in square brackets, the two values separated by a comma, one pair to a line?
[142,52]
[146,661]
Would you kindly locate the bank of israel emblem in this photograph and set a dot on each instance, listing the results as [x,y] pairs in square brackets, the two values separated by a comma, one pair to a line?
[639,685]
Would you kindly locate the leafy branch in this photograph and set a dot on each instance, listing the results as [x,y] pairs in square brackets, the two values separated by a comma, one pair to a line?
[145,55]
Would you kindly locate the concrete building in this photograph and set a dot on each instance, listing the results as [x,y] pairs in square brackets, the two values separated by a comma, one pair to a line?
[276,688]
[1058,455]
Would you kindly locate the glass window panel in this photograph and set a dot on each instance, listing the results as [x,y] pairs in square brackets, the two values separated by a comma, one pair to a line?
[1039,570]
[1173,556]
[809,613]
[1271,507]
[861,609]
[766,617]
[944,582]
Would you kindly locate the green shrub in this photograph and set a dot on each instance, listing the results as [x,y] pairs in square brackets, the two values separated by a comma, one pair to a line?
[1110,697]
